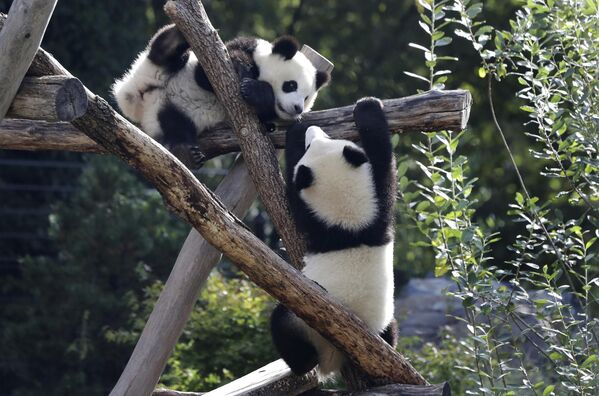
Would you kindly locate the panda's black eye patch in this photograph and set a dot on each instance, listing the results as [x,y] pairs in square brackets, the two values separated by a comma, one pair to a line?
[289,86]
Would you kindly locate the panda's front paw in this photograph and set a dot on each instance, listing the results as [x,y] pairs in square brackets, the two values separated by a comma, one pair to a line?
[368,113]
[197,156]
[248,87]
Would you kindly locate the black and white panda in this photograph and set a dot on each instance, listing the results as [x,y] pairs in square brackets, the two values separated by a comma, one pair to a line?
[167,92]
[342,198]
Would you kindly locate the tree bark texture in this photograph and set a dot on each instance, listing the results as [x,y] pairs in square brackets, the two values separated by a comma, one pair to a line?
[430,111]
[258,151]
[49,98]
[170,313]
[20,39]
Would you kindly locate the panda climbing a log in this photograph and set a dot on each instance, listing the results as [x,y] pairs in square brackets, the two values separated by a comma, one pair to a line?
[342,198]
[167,92]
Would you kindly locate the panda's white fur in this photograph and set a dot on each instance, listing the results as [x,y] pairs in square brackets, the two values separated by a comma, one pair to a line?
[351,211]
[145,88]
[367,290]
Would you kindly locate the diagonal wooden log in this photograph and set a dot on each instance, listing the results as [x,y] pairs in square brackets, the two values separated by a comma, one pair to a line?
[49,98]
[430,111]
[170,313]
[20,38]
[258,151]
[197,205]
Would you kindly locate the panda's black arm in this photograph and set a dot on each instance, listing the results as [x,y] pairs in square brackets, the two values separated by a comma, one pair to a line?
[375,136]
[169,49]
[294,148]
[261,97]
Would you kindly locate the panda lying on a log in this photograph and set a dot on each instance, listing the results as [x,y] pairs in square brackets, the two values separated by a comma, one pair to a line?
[342,198]
[167,92]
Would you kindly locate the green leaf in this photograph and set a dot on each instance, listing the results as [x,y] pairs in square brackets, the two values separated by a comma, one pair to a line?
[588,361]
[548,390]
[443,42]
[416,76]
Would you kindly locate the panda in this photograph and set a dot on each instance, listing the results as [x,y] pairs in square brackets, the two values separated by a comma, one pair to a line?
[167,92]
[342,198]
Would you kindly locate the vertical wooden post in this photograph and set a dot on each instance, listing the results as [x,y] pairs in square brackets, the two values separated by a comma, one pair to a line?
[196,259]
[20,38]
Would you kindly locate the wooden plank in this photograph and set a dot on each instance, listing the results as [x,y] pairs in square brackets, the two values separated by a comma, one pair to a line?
[170,313]
[20,38]
[274,379]
[49,98]
[430,111]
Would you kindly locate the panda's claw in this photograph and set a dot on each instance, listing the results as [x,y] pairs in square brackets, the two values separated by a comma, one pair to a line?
[198,157]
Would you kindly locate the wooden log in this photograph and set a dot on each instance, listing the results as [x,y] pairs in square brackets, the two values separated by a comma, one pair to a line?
[267,390]
[40,135]
[258,151]
[20,38]
[197,205]
[430,111]
[49,98]
[388,390]
[170,313]
[274,379]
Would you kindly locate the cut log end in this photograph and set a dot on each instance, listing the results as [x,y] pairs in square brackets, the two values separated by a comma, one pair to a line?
[49,98]
[71,100]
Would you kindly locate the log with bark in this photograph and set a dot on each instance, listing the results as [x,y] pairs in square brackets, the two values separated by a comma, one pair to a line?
[430,111]
[49,98]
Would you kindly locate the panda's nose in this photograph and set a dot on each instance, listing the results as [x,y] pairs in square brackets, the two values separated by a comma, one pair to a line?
[299,109]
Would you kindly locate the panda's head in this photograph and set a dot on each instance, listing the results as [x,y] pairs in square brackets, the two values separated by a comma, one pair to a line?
[334,179]
[294,79]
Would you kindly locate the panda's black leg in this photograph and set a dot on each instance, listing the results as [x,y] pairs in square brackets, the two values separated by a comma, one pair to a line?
[299,354]
[391,334]
[169,49]
[180,136]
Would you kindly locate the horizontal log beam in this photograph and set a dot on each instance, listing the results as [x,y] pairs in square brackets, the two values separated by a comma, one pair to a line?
[49,98]
[430,111]
[33,135]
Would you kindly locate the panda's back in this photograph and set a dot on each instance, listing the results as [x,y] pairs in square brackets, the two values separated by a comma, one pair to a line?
[199,104]
[361,278]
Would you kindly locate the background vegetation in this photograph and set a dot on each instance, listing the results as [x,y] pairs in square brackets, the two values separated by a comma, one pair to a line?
[86,244]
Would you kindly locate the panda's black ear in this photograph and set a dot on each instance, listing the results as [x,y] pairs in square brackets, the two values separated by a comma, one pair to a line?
[303,177]
[286,46]
[322,78]
[354,156]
